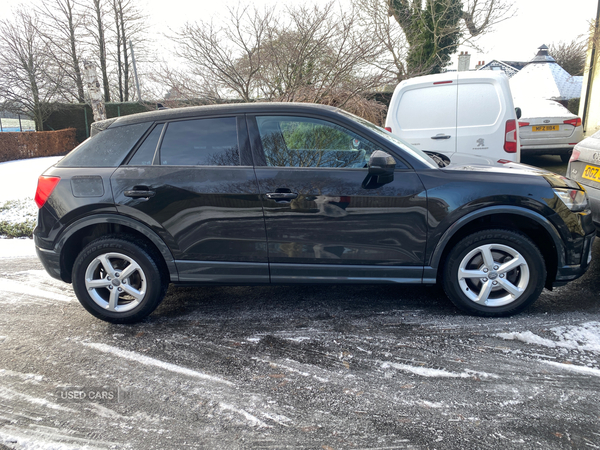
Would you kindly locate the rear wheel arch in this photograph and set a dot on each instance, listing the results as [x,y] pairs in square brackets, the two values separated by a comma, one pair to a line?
[536,227]
[84,231]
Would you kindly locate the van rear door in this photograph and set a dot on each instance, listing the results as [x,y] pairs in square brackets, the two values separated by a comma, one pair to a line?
[424,112]
[484,107]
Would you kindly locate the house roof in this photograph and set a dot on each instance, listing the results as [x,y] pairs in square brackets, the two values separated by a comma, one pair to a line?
[543,78]
[510,68]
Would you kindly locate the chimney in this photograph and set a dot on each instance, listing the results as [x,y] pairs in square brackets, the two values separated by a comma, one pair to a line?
[464,61]
[479,65]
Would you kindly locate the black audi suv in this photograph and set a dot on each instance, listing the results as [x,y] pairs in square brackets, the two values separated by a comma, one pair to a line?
[273,193]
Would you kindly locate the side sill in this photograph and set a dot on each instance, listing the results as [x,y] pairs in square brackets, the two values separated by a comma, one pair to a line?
[217,272]
[345,274]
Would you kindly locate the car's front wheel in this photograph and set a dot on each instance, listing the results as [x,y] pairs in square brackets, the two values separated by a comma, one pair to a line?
[118,280]
[494,273]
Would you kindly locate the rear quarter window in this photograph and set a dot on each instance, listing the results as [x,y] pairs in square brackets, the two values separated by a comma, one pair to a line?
[106,149]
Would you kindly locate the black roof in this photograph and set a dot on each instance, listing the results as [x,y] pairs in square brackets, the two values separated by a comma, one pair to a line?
[231,108]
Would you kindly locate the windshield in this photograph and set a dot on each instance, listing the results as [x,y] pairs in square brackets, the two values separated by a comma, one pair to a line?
[392,138]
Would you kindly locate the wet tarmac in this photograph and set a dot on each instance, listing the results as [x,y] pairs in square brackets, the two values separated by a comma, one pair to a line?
[321,367]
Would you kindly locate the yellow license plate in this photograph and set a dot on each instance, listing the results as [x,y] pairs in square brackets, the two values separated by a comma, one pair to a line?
[591,173]
[545,128]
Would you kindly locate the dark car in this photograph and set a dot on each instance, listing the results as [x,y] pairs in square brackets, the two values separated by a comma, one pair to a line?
[293,193]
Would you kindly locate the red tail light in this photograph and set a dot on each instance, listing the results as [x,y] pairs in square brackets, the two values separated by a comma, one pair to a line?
[388,129]
[523,124]
[44,188]
[510,138]
[575,122]
[575,155]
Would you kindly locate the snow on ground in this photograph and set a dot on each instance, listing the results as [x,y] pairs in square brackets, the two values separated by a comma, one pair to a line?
[18,182]
[17,248]
[583,337]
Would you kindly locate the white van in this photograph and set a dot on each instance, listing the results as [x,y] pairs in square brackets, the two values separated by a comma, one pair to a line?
[457,114]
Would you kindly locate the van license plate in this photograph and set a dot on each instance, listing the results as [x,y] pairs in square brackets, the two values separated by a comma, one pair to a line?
[591,173]
[545,128]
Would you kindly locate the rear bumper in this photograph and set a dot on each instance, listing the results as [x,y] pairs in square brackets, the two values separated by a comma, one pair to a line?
[50,260]
[559,149]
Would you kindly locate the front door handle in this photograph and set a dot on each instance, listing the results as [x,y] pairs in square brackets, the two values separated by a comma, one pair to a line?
[140,192]
[441,136]
[281,196]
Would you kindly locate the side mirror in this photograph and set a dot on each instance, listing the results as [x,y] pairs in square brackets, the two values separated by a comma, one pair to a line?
[519,113]
[382,165]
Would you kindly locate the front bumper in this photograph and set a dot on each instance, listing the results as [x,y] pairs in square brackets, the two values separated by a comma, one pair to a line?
[569,273]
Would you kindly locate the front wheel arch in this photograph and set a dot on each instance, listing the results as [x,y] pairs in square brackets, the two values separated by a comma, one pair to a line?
[534,226]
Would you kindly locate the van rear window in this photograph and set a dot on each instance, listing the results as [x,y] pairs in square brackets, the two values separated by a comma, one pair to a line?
[106,149]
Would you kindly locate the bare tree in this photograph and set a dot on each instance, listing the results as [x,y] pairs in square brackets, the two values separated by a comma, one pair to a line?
[228,56]
[62,25]
[97,29]
[570,55]
[129,25]
[432,29]
[307,54]
[29,82]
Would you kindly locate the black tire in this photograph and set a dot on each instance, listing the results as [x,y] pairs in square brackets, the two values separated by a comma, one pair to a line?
[137,285]
[506,292]
[565,157]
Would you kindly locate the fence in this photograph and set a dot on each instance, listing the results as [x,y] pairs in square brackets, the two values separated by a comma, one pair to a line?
[35,144]
[16,124]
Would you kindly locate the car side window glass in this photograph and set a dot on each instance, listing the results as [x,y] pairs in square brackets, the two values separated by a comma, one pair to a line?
[106,149]
[145,153]
[201,142]
[306,142]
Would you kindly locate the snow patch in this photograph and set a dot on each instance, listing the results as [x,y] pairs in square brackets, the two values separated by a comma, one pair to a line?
[155,362]
[254,421]
[574,368]
[18,179]
[16,287]
[10,394]
[17,248]
[24,376]
[573,337]
[435,373]
[291,369]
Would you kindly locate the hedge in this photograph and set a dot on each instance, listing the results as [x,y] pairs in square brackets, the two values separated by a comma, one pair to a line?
[33,144]
[80,116]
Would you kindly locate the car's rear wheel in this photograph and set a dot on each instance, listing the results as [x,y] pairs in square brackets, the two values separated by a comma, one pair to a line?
[494,273]
[118,280]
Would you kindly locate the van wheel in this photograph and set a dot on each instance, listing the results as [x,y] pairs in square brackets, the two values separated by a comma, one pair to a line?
[565,157]
[494,273]
[118,280]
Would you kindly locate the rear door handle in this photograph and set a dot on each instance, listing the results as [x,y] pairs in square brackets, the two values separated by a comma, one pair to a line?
[139,192]
[441,136]
[281,196]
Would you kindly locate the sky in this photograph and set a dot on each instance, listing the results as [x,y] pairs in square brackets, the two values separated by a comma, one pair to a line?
[535,22]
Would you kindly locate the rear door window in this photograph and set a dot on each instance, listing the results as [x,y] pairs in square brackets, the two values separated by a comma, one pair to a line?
[201,142]
[145,153]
